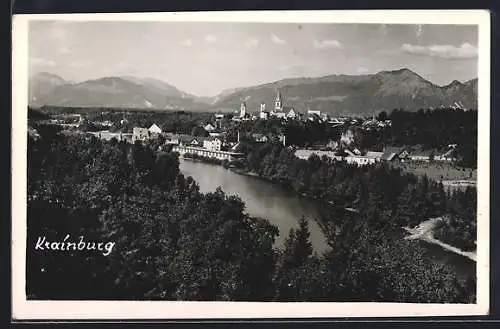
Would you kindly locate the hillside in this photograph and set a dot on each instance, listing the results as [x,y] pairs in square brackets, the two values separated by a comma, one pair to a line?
[334,94]
[127,92]
[362,94]
[42,84]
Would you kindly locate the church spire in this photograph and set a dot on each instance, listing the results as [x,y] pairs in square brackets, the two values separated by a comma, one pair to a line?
[278,105]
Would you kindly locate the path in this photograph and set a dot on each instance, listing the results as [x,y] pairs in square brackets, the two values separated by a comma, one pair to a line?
[424,232]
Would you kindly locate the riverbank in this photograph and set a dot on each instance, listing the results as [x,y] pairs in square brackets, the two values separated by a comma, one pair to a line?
[425,232]
[305,195]
[283,207]
[246,173]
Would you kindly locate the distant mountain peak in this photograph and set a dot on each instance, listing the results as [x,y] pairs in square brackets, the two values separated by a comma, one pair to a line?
[47,76]
[404,72]
[110,91]
[337,94]
[454,83]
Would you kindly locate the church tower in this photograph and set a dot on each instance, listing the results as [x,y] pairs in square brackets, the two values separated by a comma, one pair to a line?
[278,105]
[243,109]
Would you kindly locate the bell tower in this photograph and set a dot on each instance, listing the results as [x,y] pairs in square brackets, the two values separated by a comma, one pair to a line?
[243,109]
[278,105]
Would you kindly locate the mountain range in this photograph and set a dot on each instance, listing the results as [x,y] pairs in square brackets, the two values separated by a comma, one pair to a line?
[334,94]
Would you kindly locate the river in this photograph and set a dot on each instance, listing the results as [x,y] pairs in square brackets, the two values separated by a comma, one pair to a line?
[284,208]
[262,199]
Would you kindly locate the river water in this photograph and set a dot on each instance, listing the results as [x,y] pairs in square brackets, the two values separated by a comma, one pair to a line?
[262,199]
[284,208]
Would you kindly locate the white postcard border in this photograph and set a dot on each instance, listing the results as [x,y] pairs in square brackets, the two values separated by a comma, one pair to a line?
[22,309]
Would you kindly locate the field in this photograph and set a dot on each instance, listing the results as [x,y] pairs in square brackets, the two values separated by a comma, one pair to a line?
[439,171]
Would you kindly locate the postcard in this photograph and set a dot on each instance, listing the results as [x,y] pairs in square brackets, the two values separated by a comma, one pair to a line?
[250,165]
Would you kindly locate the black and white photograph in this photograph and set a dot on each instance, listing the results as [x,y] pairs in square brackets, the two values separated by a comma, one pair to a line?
[268,159]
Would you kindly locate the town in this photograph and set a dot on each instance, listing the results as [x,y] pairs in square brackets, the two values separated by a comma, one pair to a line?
[213,141]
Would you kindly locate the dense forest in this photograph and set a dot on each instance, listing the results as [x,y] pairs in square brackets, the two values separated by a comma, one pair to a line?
[175,243]
[394,197]
[432,129]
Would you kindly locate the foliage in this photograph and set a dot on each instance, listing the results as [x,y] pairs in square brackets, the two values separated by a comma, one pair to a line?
[172,242]
[175,243]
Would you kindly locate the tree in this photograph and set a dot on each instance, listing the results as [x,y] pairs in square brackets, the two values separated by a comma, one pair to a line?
[382,116]
[294,257]
[199,132]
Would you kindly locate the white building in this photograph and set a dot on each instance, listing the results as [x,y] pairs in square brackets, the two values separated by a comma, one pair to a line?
[141,134]
[243,110]
[216,134]
[278,104]
[260,138]
[291,114]
[360,160]
[154,129]
[209,127]
[314,112]
[212,144]
[280,115]
[172,139]
[264,115]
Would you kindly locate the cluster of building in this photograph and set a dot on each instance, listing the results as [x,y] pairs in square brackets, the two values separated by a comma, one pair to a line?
[137,134]
[279,111]
[210,146]
[289,113]
[67,120]
[402,154]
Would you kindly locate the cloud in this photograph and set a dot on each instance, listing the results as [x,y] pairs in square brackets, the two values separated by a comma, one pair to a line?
[251,43]
[59,32]
[37,61]
[465,51]
[78,64]
[328,44]
[362,69]
[187,43]
[64,49]
[297,68]
[277,40]
[210,38]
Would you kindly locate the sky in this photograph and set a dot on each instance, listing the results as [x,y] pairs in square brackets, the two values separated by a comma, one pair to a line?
[205,58]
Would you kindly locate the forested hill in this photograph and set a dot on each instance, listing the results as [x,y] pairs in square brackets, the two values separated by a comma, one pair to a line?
[333,94]
[175,243]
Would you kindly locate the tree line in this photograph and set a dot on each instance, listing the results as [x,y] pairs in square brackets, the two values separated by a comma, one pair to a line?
[394,197]
[175,243]
[432,129]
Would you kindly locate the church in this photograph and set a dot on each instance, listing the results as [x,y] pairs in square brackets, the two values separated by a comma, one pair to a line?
[278,111]
[281,111]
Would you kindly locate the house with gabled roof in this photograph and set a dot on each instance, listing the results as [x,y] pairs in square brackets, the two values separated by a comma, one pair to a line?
[212,144]
[154,129]
[209,127]
[393,153]
[141,134]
